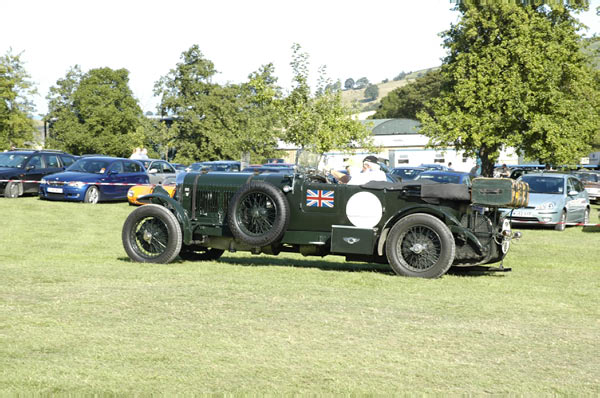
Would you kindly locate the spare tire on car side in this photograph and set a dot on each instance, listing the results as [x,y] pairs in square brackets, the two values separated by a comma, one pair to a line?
[258,214]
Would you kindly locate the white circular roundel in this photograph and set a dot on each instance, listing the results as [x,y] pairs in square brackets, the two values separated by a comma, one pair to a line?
[364,210]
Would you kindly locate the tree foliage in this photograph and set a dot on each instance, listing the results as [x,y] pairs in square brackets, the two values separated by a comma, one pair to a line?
[94,112]
[372,92]
[349,83]
[16,106]
[218,122]
[319,122]
[410,99]
[361,83]
[514,77]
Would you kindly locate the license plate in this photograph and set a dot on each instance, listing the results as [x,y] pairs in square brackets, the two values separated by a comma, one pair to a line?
[521,213]
[55,190]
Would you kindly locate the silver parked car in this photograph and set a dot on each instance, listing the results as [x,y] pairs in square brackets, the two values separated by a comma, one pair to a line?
[158,170]
[554,200]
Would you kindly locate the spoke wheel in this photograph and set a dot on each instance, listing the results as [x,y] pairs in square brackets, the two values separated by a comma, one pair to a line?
[420,245]
[152,234]
[258,214]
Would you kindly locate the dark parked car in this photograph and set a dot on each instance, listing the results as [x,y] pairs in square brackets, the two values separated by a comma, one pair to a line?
[28,167]
[407,173]
[419,228]
[445,177]
[94,179]
[216,165]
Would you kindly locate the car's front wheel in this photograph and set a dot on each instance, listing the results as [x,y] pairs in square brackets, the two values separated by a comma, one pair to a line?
[420,245]
[92,195]
[562,222]
[152,234]
[12,190]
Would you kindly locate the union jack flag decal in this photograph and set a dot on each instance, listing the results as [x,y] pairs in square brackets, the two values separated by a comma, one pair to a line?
[318,198]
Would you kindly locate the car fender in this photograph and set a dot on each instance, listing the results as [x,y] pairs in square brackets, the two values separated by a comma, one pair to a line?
[453,224]
[164,199]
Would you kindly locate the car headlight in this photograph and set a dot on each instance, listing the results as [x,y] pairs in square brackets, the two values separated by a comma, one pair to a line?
[76,184]
[130,193]
[42,181]
[546,206]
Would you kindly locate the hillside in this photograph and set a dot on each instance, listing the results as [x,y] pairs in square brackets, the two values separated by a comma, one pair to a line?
[357,97]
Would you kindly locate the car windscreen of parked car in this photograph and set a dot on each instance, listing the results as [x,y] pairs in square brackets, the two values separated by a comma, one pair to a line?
[89,165]
[12,159]
[544,184]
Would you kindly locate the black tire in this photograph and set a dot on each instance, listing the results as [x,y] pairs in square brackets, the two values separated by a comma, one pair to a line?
[420,245]
[258,214]
[198,253]
[562,222]
[152,234]
[92,195]
[12,189]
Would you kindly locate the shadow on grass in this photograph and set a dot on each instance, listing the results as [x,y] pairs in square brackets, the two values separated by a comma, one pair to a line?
[338,266]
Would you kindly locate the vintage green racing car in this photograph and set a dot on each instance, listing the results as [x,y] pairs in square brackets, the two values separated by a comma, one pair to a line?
[420,229]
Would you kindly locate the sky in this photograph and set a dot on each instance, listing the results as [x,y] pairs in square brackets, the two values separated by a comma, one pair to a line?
[377,39]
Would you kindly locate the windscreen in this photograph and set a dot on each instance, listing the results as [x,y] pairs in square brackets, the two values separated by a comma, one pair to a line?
[543,184]
[12,159]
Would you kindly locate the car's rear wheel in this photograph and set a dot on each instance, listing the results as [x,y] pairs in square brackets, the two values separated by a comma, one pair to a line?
[198,253]
[420,245]
[152,234]
[562,222]
[258,214]
[12,189]
[92,195]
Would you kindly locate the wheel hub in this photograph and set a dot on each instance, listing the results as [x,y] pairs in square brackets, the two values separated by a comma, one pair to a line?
[147,236]
[418,248]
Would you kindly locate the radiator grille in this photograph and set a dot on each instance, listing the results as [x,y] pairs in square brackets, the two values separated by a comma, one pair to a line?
[213,201]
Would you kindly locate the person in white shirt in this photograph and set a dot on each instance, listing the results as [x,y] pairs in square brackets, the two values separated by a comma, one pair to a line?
[370,172]
[137,153]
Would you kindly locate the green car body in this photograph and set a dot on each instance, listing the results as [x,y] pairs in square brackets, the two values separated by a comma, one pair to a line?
[419,228]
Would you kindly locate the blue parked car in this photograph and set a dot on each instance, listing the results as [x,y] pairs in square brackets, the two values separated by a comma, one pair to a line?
[555,199]
[446,177]
[407,173]
[94,179]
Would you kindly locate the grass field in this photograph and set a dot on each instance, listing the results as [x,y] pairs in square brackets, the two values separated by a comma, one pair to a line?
[77,317]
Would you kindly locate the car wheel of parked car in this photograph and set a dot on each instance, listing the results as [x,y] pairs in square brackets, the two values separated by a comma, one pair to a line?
[198,253]
[420,245]
[92,195]
[152,234]
[562,222]
[258,214]
[12,190]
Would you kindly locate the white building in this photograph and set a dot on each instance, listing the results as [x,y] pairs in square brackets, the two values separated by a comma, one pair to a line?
[402,145]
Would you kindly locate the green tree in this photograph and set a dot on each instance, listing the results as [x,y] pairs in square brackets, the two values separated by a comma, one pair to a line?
[515,77]
[319,122]
[361,83]
[349,83]
[16,107]
[218,122]
[94,112]
[410,99]
[372,92]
